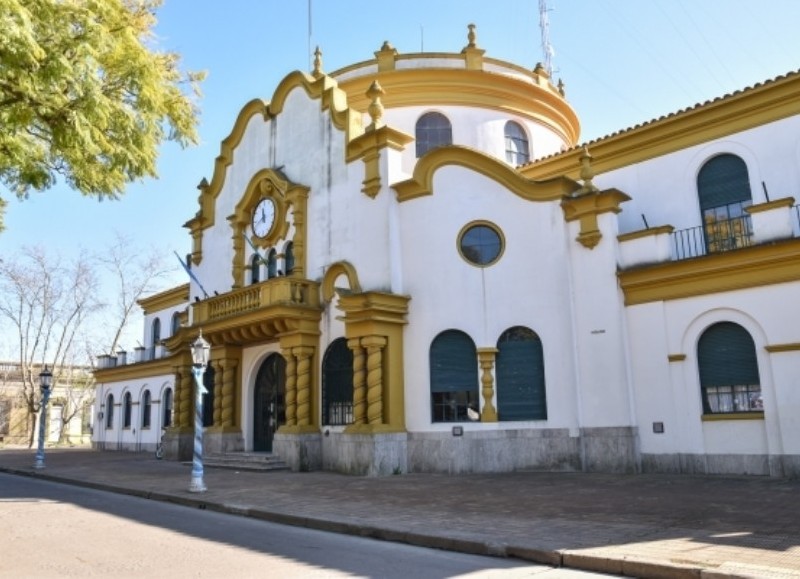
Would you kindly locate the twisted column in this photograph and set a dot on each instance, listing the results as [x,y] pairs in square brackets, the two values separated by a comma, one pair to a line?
[303,354]
[185,417]
[217,386]
[176,400]
[374,346]
[359,382]
[228,369]
[291,388]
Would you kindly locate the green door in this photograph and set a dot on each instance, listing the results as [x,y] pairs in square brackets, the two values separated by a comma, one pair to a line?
[269,410]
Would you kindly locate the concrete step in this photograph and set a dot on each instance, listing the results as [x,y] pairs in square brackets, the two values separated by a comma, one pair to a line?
[252,461]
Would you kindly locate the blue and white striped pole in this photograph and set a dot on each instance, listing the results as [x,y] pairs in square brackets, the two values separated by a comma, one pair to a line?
[200,351]
[45,380]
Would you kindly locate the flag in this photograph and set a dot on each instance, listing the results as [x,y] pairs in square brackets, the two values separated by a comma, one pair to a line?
[188,270]
[255,250]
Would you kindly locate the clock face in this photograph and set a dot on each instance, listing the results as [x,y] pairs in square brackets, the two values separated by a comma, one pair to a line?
[263,217]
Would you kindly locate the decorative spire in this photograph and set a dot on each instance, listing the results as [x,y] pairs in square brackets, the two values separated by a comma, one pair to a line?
[587,173]
[318,63]
[375,109]
[471,36]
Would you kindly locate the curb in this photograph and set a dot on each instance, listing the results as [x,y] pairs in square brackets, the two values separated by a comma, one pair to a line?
[628,567]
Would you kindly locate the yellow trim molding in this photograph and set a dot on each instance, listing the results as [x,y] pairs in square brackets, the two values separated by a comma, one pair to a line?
[586,208]
[753,107]
[491,226]
[732,416]
[778,203]
[777,348]
[170,298]
[676,357]
[749,267]
[645,233]
[421,183]
[337,269]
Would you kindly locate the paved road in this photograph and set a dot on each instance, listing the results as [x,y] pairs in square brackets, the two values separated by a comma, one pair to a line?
[638,525]
[56,530]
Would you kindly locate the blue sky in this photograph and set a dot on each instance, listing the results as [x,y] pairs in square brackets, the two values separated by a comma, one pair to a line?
[623,62]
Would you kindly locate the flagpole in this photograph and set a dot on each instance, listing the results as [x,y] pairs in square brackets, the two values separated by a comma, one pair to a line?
[188,270]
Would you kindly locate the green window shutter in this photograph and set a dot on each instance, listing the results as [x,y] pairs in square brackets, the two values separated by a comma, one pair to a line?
[723,180]
[454,363]
[520,376]
[726,356]
[337,383]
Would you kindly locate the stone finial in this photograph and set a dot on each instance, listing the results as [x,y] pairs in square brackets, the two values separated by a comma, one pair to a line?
[587,173]
[471,36]
[203,184]
[539,69]
[318,63]
[386,45]
[561,90]
[375,109]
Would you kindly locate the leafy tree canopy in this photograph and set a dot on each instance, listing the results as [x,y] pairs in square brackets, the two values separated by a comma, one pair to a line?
[85,95]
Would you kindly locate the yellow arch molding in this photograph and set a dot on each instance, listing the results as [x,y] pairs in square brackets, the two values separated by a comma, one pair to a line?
[421,183]
[323,88]
[334,271]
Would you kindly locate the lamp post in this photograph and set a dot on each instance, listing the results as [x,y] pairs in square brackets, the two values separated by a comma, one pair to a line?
[45,380]
[200,352]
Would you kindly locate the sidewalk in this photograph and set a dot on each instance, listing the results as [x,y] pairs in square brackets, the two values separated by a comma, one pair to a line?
[637,525]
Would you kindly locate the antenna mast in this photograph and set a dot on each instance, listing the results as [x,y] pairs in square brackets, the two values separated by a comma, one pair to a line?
[547,48]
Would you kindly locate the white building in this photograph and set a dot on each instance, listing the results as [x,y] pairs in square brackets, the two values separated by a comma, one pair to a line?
[396,285]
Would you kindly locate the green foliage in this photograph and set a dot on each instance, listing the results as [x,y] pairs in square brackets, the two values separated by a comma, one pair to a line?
[85,95]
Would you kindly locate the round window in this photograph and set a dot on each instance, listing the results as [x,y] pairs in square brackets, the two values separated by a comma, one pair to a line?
[481,243]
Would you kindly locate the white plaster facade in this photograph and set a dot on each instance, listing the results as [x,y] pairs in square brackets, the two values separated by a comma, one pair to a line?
[621,380]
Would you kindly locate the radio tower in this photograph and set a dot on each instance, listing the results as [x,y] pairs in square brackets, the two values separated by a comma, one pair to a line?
[547,48]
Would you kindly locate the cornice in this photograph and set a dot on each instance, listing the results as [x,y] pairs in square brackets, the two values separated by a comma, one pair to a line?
[143,370]
[421,183]
[759,105]
[750,267]
[167,299]
[468,88]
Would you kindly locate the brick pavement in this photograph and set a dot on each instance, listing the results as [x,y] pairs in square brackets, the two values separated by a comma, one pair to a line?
[637,525]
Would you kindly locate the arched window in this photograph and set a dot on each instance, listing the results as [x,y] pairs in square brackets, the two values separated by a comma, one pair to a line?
[176,323]
[272,264]
[723,189]
[155,335]
[166,406]
[433,130]
[255,268]
[729,379]
[337,384]
[454,377]
[127,409]
[146,406]
[520,376]
[517,151]
[288,254]
[110,411]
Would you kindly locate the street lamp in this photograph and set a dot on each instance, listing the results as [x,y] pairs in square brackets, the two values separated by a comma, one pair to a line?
[200,352]
[45,380]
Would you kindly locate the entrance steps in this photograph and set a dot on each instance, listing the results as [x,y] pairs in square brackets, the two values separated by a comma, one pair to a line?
[251,461]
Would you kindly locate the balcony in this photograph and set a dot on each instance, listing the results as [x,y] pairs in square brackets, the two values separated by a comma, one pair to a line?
[713,237]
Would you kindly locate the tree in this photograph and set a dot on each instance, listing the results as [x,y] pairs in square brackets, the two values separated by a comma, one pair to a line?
[58,318]
[85,95]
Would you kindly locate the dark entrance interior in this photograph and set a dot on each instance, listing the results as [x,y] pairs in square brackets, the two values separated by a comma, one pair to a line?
[269,402]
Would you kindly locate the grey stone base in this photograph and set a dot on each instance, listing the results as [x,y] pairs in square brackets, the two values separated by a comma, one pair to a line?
[301,452]
[178,446]
[726,464]
[365,454]
[223,442]
[610,449]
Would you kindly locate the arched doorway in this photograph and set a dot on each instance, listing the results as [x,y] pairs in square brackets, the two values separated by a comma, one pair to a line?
[269,408]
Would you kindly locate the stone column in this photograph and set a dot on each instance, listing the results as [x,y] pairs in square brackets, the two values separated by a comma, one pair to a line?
[291,388]
[176,399]
[486,358]
[359,382]
[374,346]
[185,403]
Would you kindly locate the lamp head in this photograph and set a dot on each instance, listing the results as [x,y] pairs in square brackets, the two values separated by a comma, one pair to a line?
[45,379]
[200,351]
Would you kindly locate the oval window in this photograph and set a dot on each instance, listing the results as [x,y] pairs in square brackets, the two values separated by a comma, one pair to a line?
[481,244]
